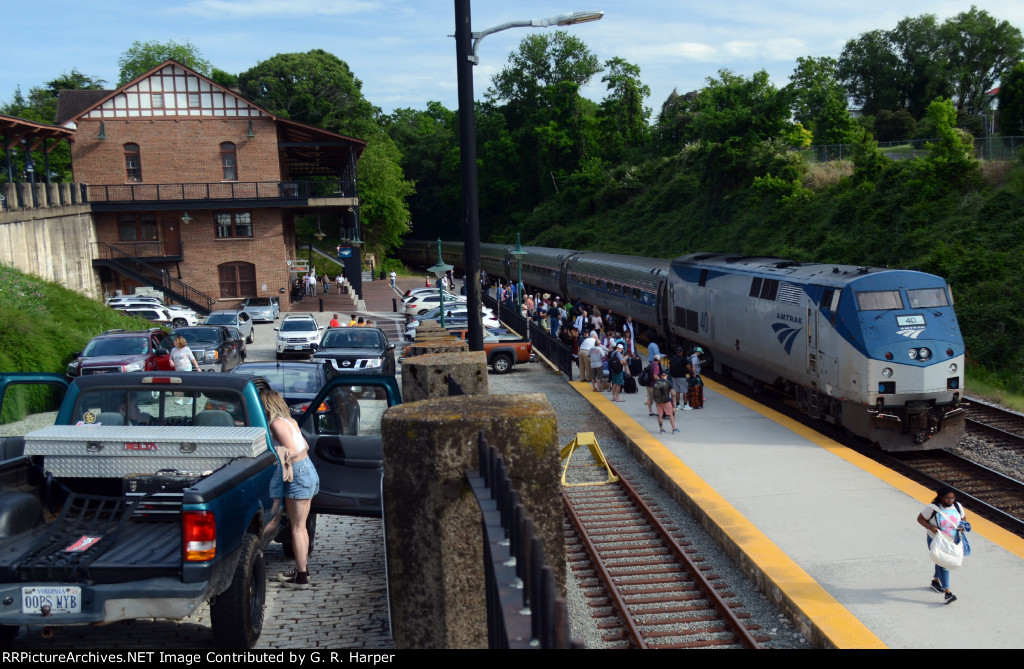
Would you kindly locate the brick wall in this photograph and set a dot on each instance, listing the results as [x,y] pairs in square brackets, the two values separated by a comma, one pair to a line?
[204,251]
[175,150]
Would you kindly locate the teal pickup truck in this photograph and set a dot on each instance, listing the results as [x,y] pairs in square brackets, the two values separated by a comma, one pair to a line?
[156,492]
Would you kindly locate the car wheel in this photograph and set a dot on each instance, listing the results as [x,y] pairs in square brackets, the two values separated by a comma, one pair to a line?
[501,364]
[236,614]
[179,322]
[252,337]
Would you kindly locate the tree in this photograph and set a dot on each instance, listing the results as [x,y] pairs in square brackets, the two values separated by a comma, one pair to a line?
[622,117]
[672,127]
[1011,102]
[867,68]
[920,71]
[819,101]
[893,126]
[319,89]
[978,50]
[141,57]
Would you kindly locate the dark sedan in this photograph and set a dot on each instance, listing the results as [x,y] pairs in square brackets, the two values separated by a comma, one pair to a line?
[355,349]
[299,382]
[217,348]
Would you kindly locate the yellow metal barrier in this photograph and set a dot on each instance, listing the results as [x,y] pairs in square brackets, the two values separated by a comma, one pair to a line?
[590,441]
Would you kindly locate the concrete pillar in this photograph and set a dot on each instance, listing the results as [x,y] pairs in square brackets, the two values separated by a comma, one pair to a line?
[433,534]
[25,193]
[426,376]
[52,195]
[9,195]
[65,193]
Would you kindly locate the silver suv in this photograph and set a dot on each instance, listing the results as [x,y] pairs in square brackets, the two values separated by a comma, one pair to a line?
[298,334]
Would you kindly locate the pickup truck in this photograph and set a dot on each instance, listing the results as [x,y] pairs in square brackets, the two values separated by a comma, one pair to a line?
[504,351]
[156,492]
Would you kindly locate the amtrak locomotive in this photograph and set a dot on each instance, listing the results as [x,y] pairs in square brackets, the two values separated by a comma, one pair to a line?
[876,350]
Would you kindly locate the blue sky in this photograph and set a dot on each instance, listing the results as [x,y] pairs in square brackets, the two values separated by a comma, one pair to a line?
[402,52]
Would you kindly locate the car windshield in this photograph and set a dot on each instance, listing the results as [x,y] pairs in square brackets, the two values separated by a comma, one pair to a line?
[291,380]
[298,325]
[116,346]
[257,302]
[351,338]
[195,336]
[221,319]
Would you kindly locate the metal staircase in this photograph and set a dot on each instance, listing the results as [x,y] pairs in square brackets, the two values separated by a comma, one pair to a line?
[304,247]
[148,275]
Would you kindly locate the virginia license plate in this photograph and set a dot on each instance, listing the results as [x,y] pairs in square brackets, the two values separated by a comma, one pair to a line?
[60,599]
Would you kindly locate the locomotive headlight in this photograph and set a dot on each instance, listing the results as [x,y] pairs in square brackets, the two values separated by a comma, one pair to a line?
[953,368]
[887,372]
[912,353]
[924,354]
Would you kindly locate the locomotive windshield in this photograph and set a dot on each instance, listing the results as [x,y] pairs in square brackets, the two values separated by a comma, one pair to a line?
[926,298]
[879,300]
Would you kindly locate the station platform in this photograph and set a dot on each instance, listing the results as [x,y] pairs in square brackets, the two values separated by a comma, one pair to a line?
[828,534]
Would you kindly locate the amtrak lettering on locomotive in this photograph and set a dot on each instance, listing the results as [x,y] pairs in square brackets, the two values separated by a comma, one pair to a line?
[878,351]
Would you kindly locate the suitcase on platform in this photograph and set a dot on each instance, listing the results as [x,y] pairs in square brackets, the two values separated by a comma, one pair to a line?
[629,385]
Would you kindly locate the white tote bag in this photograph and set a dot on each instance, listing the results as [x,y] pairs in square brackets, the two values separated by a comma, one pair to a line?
[945,553]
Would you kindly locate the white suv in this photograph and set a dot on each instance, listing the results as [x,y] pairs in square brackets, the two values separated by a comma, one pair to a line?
[298,333]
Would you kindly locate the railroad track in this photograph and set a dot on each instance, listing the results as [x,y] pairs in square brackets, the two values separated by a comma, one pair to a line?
[647,587]
[999,426]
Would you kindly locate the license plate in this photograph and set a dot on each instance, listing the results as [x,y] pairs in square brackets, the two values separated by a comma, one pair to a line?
[61,599]
[296,348]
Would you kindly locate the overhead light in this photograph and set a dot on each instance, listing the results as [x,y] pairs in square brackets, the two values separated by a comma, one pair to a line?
[103,130]
[250,134]
[186,219]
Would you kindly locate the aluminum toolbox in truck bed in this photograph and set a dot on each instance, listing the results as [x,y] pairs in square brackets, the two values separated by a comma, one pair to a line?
[116,451]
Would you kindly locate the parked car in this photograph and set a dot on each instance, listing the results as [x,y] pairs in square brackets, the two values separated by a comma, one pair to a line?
[298,334]
[262,309]
[121,351]
[459,315]
[299,382]
[128,299]
[161,314]
[421,304]
[235,318]
[416,292]
[364,350]
[215,347]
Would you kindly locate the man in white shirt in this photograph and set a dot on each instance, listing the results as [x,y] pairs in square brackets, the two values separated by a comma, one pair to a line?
[586,372]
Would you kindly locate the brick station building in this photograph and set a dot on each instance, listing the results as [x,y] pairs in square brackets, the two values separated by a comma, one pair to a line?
[195,190]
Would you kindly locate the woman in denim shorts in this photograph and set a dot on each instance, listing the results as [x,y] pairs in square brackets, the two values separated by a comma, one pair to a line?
[299,492]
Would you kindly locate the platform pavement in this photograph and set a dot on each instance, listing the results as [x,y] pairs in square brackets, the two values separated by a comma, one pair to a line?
[829,534]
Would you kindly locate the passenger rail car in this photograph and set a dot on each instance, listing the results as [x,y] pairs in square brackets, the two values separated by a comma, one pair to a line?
[875,350]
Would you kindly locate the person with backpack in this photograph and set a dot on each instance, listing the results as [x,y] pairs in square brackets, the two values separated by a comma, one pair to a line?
[695,392]
[677,373]
[648,378]
[617,370]
[661,391]
[944,515]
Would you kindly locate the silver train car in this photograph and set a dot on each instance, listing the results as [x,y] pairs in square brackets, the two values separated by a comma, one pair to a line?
[875,350]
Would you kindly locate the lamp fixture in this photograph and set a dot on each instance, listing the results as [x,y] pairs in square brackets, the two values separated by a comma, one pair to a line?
[319,232]
[186,219]
[250,134]
[103,130]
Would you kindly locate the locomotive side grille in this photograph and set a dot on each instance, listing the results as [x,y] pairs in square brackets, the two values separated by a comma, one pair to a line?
[789,293]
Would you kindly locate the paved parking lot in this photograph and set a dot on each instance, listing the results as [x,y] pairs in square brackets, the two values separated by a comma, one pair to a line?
[345,608]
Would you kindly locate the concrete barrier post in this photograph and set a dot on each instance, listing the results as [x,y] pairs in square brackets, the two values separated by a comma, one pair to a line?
[426,376]
[432,521]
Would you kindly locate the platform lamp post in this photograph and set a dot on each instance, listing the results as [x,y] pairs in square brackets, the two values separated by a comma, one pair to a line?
[467,43]
[519,253]
[439,270]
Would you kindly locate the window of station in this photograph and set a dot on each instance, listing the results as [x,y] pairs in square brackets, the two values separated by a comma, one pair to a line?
[137,228]
[879,300]
[228,161]
[235,224]
[132,163]
[927,298]
[237,279]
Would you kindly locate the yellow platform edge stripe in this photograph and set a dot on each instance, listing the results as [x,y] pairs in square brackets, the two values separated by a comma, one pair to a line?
[985,528]
[820,617]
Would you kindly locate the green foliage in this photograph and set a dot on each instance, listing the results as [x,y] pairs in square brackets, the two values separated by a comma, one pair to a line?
[141,57]
[319,89]
[891,126]
[952,156]
[1011,101]
[43,325]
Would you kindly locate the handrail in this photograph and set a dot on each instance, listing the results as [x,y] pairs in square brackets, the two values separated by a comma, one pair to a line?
[158,277]
[221,190]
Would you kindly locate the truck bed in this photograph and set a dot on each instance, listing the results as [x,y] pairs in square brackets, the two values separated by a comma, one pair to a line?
[95,539]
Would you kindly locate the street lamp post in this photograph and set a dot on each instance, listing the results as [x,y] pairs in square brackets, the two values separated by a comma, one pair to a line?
[439,270]
[519,253]
[467,43]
